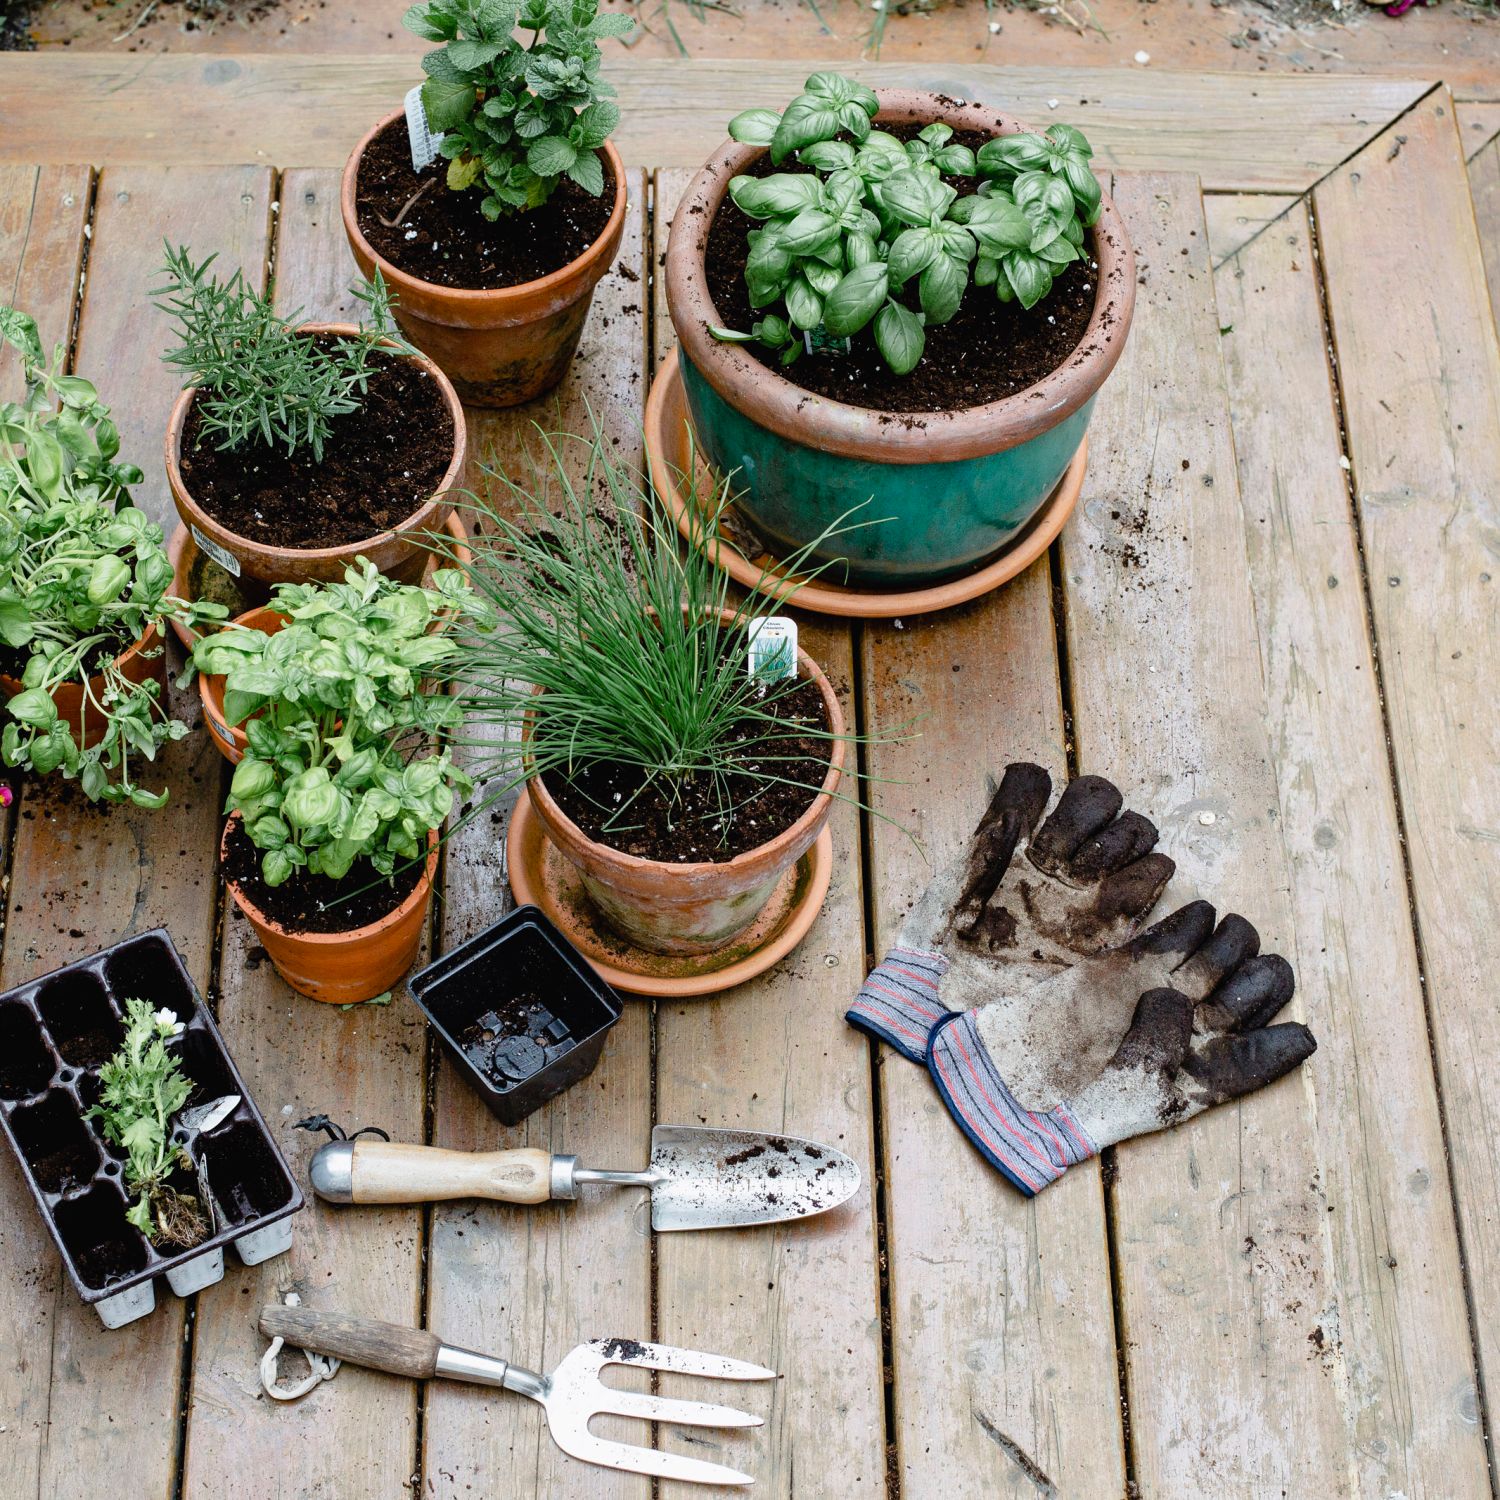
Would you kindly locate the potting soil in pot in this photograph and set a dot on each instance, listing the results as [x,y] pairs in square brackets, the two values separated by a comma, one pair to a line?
[606,800]
[313,903]
[443,237]
[988,350]
[380,464]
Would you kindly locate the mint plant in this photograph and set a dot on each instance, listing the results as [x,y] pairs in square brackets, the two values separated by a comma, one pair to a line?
[260,378]
[868,233]
[517,119]
[336,714]
[142,1087]
[83,575]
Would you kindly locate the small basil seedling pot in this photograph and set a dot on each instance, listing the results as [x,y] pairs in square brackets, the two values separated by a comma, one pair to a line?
[520,1012]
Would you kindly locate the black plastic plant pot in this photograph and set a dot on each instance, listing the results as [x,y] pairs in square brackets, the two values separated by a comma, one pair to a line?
[55,1033]
[519,1010]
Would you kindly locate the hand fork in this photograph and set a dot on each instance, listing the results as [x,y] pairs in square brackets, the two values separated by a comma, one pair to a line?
[571,1395]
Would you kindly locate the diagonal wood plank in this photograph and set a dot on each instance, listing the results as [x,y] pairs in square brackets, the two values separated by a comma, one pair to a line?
[85,877]
[1238,131]
[775,1055]
[1484,185]
[1479,124]
[359,1067]
[1234,219]
[1427,486]
[1001,1323]
[1221,1228]
[1402,1323]
[529,1283]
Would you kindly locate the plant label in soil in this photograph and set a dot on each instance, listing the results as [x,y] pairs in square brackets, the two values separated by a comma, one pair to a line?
[820,341]
[212,550]
[424,141]
[773,648]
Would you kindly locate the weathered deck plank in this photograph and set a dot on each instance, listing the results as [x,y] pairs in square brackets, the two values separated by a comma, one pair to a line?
[1238,131]
[1420,379]
[1402,1326]
[1002,1329]
[1221,1232]
[775,1055]
[82,877]
[360,1067]
[1484,185]
[529,1283]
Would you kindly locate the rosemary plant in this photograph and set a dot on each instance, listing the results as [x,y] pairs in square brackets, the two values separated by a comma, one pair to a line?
[638,645]
[258,376]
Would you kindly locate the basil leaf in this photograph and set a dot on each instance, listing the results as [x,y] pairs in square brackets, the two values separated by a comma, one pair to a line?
[807,119]
[856,299]
[916,197]
[820,277]
[1030,278]
[780,196]
[912,251]
[828,156]
[957,160]
[1071,140]
[941,288]
[813,229]
[804,306]
[899,337]
[754,127]
[1087,193]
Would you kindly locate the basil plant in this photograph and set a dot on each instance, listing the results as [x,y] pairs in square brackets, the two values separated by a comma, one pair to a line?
[340,708]
[868,234]
[84,575]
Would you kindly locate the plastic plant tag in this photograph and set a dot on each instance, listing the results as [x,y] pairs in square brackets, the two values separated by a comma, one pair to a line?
[820,341]
[773,648]
[215,553]
[424,141]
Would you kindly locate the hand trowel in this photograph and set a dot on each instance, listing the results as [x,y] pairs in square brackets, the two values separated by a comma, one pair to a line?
[699,1178]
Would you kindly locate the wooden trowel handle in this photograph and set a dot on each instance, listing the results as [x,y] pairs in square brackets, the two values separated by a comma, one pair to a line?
[389,1172]
[362,1341]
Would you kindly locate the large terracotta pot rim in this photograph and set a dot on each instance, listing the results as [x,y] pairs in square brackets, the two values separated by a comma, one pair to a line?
[766,854]
[419,893]
[424,517]
[474,296]
[773,402]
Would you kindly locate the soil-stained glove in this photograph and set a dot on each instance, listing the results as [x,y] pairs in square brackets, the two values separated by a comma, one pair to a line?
[1130,1033]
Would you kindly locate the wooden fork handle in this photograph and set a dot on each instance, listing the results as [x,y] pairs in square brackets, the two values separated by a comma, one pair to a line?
[362,1341]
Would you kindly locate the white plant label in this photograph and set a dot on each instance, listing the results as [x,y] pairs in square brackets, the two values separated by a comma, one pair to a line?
[424,142]
[221,555]
[773,648]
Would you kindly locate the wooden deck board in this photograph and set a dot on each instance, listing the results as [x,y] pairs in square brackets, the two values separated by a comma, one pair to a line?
[1402,1330]
[529,1283]
[1426,483]
[1238,132]
[359,1067]
[775,1055]
[1222,1247]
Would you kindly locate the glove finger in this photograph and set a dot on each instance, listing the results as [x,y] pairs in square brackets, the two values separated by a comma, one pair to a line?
[1133,891]
[1230,1066]
[1179,933]
[1124,841]
[1011,815]
[1249,997]
[1234,941]
[1087,805]
[1159,1034]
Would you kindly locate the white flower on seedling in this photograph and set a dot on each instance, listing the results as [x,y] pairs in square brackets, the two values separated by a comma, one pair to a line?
[167,1022]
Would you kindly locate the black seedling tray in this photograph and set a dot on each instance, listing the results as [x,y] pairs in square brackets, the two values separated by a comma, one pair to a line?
[519,1010]
[55,1033]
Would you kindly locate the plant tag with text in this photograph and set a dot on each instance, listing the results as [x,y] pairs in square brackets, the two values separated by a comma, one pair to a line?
[424,141]
[773,648]
[215,553]
[820,341]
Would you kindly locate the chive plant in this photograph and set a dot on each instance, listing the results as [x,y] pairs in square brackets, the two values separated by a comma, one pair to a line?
[637,645]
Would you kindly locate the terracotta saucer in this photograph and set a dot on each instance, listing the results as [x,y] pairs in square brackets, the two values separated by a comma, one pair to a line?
[668,453]
[194,573]
[541,876]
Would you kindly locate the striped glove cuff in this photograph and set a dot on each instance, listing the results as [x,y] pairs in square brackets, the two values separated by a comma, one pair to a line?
[899,1004]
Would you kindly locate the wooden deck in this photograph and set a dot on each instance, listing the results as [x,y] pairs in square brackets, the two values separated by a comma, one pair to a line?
[1276,603]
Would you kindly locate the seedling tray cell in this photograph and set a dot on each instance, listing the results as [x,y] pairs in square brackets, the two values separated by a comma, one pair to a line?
[519,1010]
[55,1033]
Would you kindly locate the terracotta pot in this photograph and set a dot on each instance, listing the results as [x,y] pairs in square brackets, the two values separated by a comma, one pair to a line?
[395,552]
[691,908]
[344,968]
[142,662]
[950,489]
[231,739]
[503,346]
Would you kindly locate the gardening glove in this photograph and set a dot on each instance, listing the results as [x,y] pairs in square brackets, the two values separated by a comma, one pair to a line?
[1126,1037]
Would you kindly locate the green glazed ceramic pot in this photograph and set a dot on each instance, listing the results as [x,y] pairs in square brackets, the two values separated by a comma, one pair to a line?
[946,490]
